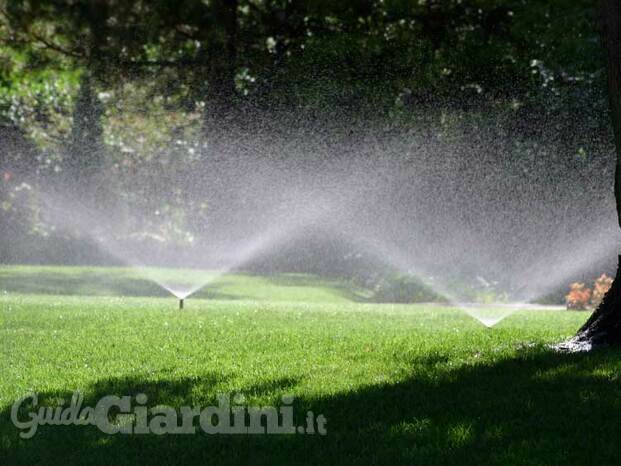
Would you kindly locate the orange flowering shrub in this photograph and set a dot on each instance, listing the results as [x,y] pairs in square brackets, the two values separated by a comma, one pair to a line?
[600,288]
[579,296]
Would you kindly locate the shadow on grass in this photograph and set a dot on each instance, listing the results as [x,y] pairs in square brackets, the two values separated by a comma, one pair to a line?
[96,283]
[83,283]
[538,408]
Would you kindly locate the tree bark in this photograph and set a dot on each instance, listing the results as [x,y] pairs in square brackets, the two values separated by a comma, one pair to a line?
[604,326]
[85,151]
[222,68]
[86,143]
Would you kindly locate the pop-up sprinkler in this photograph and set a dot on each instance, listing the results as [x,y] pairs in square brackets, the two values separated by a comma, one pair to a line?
[179,292]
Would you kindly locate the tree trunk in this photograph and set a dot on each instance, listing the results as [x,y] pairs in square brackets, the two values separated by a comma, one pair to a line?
[604,326]
[86,149]
[221,69]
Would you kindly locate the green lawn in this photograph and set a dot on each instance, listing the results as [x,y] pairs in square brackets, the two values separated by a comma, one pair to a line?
[118,281]
[398,384]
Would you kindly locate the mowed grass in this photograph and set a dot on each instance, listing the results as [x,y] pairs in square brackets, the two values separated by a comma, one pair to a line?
[127,281]
[398,384]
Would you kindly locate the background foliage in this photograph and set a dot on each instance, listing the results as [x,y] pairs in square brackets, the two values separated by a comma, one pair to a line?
[105,90]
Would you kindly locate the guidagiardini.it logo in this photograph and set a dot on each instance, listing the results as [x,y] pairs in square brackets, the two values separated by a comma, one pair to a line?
[131,416]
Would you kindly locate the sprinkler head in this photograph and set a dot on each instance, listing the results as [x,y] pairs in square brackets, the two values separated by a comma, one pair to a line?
[181,304]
